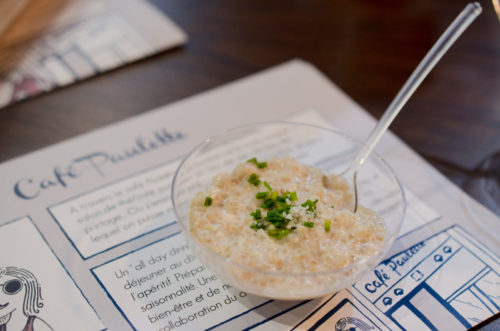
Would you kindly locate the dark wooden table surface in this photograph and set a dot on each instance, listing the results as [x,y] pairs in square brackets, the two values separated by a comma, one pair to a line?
[368,48]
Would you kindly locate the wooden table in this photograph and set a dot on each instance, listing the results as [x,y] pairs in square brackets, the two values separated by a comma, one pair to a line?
[368,48]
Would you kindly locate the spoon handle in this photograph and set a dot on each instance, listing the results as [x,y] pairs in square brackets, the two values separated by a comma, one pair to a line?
[463,20]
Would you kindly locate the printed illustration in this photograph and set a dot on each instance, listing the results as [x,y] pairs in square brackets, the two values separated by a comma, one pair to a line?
[346,315]
[425,287]
[20,301]
[36,292]
[428,286]
[351,323]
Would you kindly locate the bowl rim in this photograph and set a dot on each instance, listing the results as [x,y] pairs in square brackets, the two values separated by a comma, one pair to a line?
[224,260]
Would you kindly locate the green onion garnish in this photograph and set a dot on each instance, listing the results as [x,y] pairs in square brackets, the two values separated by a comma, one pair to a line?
[327,226]
[268,203]
[257,225]
[256,214]
[261,195]
[277,209]
[259,165]
[310,206]
[280,199]
[278,233]
[309,224]
[208,201]
[254,179]
[291,195]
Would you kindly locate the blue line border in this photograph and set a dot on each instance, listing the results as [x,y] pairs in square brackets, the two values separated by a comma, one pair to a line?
[275,315]
[446,305]
[443,262]
[405,300]
[58,260]
[455,227]
[415,266]
[482,248]
[119,257]
[112,300]
[480,300]
[487,297]
[419,227]
[142,172]
[140,248]
[375,315]
[418,314]
[239,315]
[464,288]
[314,312]
[111,247]
[341,304]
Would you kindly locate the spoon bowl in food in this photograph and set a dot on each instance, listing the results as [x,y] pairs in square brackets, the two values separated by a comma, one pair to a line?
[318,246]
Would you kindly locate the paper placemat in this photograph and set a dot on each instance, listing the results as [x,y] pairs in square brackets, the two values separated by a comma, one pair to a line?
[101,202]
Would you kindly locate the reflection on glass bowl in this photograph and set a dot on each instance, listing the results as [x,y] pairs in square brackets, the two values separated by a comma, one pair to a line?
[331,152]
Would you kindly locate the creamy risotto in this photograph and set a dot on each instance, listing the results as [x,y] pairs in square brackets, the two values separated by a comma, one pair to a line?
[284,216]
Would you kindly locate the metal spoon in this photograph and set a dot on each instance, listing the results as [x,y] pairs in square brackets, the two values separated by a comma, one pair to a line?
[457,27]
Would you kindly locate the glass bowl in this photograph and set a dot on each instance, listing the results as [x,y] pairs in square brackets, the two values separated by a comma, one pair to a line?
[331,151]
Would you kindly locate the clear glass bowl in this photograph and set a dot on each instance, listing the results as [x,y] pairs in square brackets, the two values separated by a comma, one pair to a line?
[326,149]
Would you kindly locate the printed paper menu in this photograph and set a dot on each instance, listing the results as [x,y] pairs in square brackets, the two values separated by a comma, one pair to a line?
[423,288]
[92,224]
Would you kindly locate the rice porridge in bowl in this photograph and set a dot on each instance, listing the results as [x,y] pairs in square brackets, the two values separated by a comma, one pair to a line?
[300,220]
[282,229]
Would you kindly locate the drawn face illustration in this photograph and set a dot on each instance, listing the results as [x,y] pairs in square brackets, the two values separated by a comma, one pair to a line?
[12,292]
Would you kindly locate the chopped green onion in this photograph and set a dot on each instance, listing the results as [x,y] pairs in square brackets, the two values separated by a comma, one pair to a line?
[277,206]
[278,233]
[310,206]
[256,214]
[291,195]
[254,179]
[309,224]
[280,199]
[259,165]
[327,226]
[257,225]
[283,207]
[332,206]
[274,218]
[268,203]
[261,195]
[208,201]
